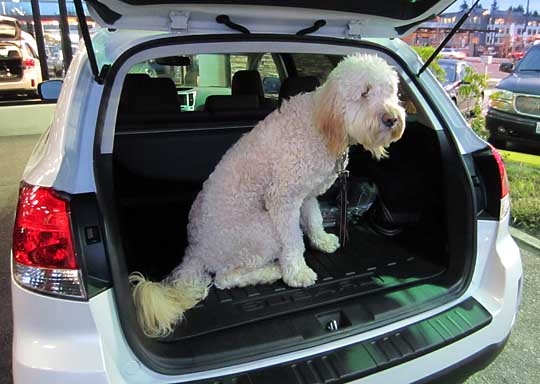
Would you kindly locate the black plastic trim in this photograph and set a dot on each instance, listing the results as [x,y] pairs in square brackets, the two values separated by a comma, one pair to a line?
[226,20]
[140,344]
[107,15]
[315,27]
[459,372]
[362,359]
[397,9]
[91,251]
[404,28]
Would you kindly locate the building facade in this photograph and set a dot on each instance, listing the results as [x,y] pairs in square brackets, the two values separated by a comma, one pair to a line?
[486,31]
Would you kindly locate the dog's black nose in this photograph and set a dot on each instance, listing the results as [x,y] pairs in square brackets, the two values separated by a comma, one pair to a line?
[389,120]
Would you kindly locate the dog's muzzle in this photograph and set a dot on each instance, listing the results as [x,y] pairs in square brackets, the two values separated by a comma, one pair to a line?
[389,120]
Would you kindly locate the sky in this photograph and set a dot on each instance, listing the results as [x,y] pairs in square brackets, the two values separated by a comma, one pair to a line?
[534,5]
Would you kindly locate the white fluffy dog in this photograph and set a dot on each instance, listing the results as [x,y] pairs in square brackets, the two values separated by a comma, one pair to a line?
[246,224]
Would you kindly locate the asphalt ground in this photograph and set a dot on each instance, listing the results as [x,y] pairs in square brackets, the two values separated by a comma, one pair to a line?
[519,363]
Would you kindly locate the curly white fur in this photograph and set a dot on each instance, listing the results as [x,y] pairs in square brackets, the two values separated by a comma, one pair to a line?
[246,224]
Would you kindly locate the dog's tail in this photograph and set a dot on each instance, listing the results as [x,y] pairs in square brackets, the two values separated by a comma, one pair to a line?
[161,305]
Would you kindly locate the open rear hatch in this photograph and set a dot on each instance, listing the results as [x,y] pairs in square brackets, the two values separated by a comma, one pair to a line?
[11,62]
[377,279]
[361,18]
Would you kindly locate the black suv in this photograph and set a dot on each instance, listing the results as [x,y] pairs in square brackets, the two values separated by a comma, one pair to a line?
[514,112]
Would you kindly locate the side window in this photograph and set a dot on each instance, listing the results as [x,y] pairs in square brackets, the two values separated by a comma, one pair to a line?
[31,50]
[315,65]
[269,75]
[238,63]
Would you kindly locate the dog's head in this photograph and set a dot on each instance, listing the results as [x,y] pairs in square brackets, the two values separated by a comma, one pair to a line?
[359,104]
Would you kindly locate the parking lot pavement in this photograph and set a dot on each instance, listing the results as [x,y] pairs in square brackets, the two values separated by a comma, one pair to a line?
[519,363]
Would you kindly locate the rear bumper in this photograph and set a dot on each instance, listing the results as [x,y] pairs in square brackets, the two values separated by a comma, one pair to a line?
[22,85]
[459,372]
[87,346]
[512,127]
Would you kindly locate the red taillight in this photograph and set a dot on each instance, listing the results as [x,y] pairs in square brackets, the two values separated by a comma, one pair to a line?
[29,63]
[505,186]
[42,232]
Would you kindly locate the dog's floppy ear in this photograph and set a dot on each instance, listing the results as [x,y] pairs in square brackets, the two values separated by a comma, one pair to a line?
[329,117]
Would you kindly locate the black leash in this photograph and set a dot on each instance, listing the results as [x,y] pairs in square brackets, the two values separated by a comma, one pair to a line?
[343,175]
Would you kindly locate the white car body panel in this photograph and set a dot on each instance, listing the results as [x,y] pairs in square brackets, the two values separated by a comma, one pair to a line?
[201,18]
[83,342]
[60,159]
[98,345]
[54,340]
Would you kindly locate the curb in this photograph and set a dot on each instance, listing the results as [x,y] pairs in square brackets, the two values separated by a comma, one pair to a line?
[525,238]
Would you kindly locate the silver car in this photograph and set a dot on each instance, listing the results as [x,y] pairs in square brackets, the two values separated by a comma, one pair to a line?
[427,288]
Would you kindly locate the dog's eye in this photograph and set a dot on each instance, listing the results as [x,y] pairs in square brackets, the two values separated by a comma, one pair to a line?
[366,92]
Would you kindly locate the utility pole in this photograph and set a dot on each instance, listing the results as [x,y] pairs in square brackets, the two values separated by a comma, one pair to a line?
[38,29]
[525,27]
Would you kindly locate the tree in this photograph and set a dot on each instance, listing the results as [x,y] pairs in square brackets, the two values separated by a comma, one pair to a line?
[519,8]
[464,6]
[535,14]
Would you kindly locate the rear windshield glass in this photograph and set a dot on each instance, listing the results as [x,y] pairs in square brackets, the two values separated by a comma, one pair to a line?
[8,29]
[232,85]
[9,51]
[449,73]
[196,77]
[531,61]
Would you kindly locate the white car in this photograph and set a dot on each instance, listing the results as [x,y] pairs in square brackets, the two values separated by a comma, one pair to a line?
[452,53]
[427,288]
[20,71]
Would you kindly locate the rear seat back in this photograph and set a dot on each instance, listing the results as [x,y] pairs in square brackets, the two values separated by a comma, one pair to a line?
[293,86]
[157,141]
[145,100]
[248,82]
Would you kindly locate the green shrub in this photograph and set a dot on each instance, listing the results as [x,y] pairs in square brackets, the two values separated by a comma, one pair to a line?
[425,53]
[525,196]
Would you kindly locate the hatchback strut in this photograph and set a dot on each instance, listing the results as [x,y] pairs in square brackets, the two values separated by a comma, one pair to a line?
[447,38]
[87,40]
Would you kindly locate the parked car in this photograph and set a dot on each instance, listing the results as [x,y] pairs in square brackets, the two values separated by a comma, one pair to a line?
[427,288]
[517,55]
[452,53]
[454,79]
[55,62]
[514,112]
[20,71]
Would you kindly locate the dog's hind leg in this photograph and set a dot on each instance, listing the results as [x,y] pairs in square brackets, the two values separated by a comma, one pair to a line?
[311,222]
[244,276]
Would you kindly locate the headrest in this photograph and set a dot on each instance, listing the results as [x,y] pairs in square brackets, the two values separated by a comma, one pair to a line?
[218,103]
[141,94]
[162,95]
[247,83]
[14,54]
[294,85]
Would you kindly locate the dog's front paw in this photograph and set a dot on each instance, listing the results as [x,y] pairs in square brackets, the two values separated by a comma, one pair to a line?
[300,278]
[325,242]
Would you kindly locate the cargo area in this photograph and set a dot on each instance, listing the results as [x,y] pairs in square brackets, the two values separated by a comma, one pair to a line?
[410,221]
[398,242]
[11,64]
